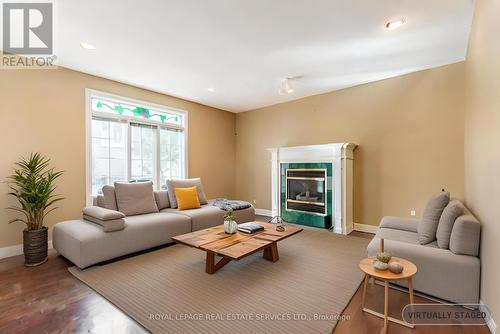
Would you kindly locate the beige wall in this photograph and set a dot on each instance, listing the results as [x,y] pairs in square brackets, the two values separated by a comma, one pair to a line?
[44,110]
[482,143]
[409,130]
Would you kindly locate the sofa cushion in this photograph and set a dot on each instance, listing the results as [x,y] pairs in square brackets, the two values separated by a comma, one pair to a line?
[172,184]
[135,198]
[430,218]
[244,215]
[465,235]
[240,216]
[161,197]
[187,198]
[400,223]
[398,235]
[85,243]
[204,217]
[450,213]
[178,223]
[109,198]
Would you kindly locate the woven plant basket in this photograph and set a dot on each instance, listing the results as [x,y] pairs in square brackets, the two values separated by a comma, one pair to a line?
[35,246]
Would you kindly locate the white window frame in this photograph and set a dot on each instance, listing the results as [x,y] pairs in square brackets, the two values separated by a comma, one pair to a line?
[89,94]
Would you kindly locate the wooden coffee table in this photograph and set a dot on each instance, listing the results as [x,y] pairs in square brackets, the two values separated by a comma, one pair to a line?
[409,271]
[236,246]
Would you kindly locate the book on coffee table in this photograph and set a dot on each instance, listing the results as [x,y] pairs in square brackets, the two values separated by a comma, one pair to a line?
[250,228]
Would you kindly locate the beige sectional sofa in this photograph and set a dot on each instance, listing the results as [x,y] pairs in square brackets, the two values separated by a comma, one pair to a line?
[450,272]
[86,242]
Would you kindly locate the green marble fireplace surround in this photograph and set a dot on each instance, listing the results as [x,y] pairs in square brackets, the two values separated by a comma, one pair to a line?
[320,183]
[307,218]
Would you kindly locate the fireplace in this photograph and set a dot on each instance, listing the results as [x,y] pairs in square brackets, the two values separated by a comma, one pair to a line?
[306,193]
[306,190]
[312,185]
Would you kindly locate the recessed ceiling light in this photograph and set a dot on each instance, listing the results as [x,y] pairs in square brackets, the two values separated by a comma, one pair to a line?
[391,25]
[211,89]
[87,46]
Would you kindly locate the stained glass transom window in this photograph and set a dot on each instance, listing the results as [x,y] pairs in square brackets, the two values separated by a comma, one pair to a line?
[134,143]
[141,112]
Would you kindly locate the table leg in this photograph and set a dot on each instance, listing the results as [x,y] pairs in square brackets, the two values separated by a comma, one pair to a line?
[271,252]
[210,265]
[410,293]
[385,316]
[386,306]
[410,289]
[363,298]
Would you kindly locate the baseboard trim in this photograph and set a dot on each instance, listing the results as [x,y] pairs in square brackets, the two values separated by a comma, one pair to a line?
[365,228]
[264,212]
[15,250]
[491,324]
[357,227]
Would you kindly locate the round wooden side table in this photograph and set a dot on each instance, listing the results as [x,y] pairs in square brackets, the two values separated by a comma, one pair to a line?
[410,269]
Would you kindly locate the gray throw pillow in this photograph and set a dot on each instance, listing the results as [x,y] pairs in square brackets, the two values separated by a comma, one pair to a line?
[109,198]
[430,218]
[187,183]
[161,198]
[135,198]
[465,236]
[450,213]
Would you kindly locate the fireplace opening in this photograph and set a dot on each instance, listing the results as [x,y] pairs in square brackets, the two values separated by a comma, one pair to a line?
[306,191]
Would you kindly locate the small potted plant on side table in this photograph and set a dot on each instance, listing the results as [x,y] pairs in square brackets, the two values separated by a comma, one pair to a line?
[33,185]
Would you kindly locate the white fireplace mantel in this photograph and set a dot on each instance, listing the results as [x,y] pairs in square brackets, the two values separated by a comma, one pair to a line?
[341,155]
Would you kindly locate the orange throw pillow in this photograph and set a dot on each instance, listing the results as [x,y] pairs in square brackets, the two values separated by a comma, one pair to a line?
[187,198]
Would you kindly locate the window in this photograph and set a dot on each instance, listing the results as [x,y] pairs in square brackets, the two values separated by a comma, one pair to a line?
[132,141]
[142,152]
[109,153]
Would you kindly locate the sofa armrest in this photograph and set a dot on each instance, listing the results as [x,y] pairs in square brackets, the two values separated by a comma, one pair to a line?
[108,220]
[102,213]
[106,225]
[400,223]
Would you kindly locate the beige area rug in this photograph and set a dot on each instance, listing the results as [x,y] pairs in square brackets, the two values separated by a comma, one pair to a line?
[168,291]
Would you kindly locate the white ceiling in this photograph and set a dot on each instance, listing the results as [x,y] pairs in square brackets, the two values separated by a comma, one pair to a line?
[244,48]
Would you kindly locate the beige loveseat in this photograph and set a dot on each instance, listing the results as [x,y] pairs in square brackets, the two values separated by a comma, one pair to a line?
[451,273]
[106,233]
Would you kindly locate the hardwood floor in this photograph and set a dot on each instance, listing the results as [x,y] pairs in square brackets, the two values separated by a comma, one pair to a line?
[362,322]
[48,299]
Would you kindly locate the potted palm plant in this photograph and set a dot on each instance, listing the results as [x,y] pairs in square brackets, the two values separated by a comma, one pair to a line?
[33,185]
